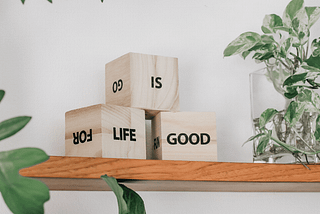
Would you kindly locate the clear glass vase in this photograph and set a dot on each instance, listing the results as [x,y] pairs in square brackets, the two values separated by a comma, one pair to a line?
[269,94]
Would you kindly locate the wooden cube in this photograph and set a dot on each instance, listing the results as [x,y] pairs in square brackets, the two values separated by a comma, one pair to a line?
[184,136]
[105,131]
[143,81]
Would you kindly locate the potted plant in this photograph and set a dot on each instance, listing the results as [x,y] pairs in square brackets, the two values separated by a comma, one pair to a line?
[292,66]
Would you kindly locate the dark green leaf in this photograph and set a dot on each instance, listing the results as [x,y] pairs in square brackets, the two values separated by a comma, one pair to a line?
[128,200]
[22,1]
[12,126]
[242,43]
[294,112]
[295,78]
[263,142]
[291,92]
[270,22]
[313,14]
[254,48]
[301,35]
[314,61]
[50,1]
[264,56]
[267,116]
[2,93]
[21,194]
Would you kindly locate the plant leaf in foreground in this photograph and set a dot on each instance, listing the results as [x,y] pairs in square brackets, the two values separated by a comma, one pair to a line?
[12,126]
[21,194]
[129,202]
[2,93]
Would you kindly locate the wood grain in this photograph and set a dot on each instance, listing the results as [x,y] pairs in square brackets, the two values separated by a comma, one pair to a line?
[138,73]
[195,124]
[106,121]
[86,167]
[83,173]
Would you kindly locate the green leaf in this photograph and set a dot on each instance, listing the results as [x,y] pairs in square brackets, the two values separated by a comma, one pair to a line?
[313,15]
[128,200]
[291,92]
[2,93]
[295,78]
[282,28]
[315,47]
[292,148]
[263,142]
[263,56]
[254,137]
[317,131]
[270,22]
[287,43]
[292,10]
[242,43]
[254,48]
[267,116]
[267,39]
[314,61]
[286,146]
[294,112]
[22,1]
[311,68]
[311,99]
[12,126]
[21,194]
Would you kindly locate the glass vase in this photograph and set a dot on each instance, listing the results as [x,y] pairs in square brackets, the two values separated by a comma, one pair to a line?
[266,92]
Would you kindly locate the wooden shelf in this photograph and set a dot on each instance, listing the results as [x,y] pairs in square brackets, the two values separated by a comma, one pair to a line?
[82,173]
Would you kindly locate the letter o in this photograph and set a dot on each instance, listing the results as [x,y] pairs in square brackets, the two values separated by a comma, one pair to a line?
[83,133]
[197,139]
[186,138]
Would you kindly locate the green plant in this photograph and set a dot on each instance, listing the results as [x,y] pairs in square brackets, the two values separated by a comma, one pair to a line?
[129,202]
[21,194]
[285,46]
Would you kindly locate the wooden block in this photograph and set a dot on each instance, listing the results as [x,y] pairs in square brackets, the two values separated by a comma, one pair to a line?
[184,136]
[105,131]
[143,81]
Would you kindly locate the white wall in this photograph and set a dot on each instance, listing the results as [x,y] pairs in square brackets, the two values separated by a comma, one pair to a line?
[52,59]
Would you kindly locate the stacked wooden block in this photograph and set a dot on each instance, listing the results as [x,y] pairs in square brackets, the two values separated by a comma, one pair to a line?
[140,87]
